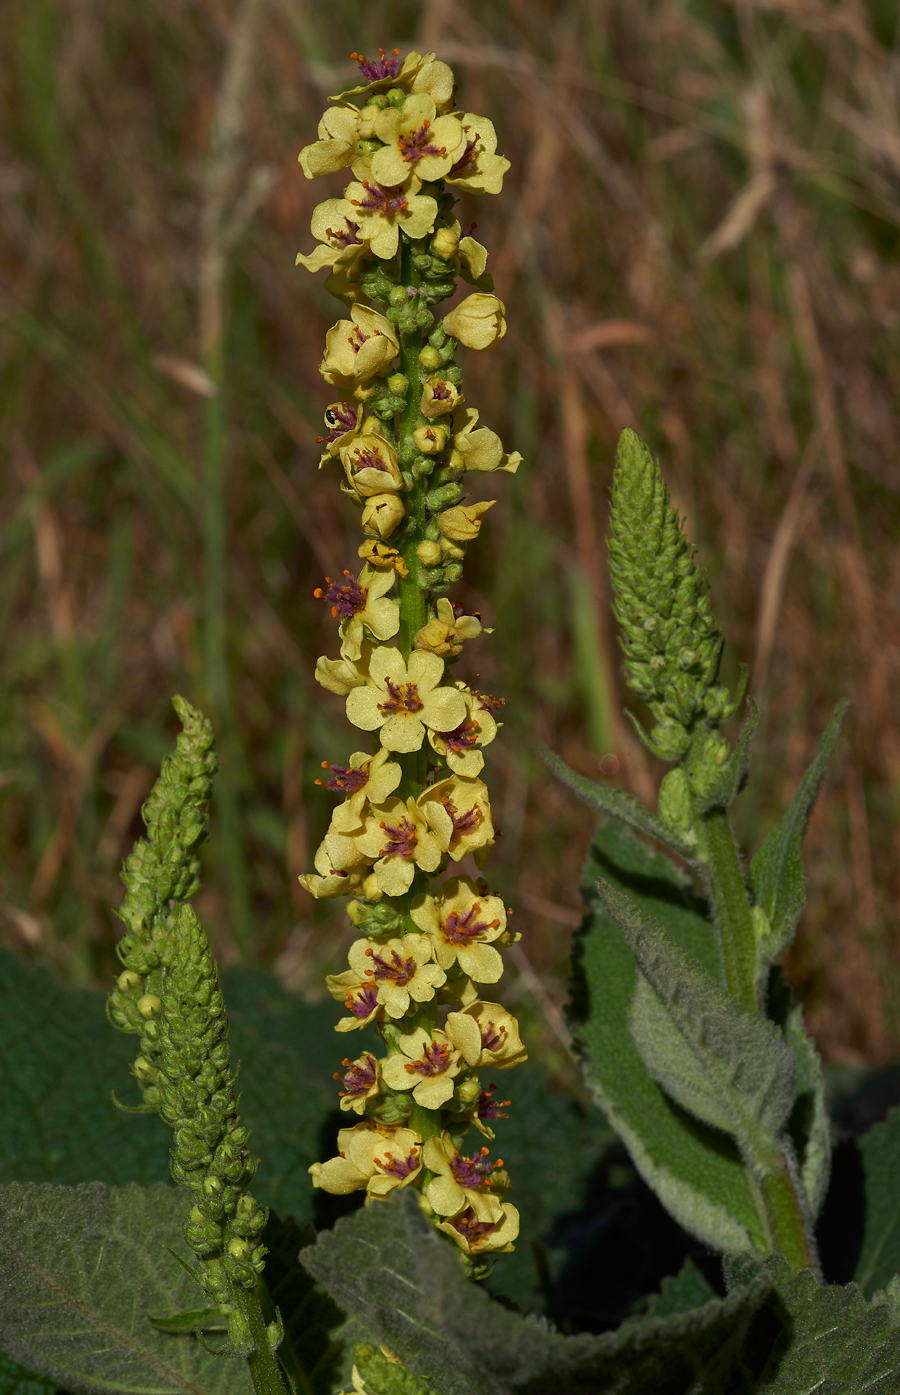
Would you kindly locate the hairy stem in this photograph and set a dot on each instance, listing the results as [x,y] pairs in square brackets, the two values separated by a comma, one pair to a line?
[732,906]
[263,1363]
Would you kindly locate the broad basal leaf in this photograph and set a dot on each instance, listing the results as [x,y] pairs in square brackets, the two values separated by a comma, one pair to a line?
[696,1171]
[813,1339]
[731,1069]
[80,1267]
[389,1266]
[15,1380]
[682,1292]
[60,1061]
[776,872]
[879,1259]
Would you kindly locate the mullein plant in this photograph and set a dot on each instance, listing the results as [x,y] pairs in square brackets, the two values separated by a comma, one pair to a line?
[403,441]
[168,994]
[706,1069]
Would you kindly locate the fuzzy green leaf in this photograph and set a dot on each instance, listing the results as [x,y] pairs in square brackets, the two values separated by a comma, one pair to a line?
[59,1061]
[191,1320]
[681,1292]
[809,1125]
[879,1258]
[696,1171]
[79,1270]
[729,1068]
[812,1339]
[15,1380]
[390,1267]
[776,872]
[618,804]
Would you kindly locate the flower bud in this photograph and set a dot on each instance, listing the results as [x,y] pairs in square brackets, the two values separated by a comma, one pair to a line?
[463,523]
[367,118]
[430,439]
[128,981]
[398,384]
[429,553]
[382,513]
[468,1092]
[478,321]
[429,358]
[444,243]
[148,1005]
[238,1249]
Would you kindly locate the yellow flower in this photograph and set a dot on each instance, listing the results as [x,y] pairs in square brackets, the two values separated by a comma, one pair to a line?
[460,813]
[426,1064]
[478,169]
[343,422]
[334,226]
[477,1237]
[370,464]
[416,141]
[418,73]
[486,1035]
[360,997]
[337,145]
[339,865]
[341,675]
[480,449]
[362,604]
[400,969]
[367,778]
[359,348]
[381,514]
[461,1182]
[444,634]
[461,925]
[463,522]
[373,1156]
[379,554]
[361,1080]
[430,440]
[405,699]
[439,396]
[478,321]
[460,748]
[382,210]
[397,837]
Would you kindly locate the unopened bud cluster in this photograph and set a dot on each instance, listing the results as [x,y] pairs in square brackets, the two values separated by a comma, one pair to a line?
[169,995]
[671,640]
[407,445]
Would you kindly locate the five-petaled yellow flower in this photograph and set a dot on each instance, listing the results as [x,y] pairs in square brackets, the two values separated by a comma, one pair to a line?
[461,924]
[404,699]
[426,1064]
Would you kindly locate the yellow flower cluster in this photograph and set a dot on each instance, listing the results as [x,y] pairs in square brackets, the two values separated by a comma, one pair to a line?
[416,806]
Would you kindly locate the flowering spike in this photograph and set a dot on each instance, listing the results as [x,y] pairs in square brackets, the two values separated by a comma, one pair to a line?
[405,437]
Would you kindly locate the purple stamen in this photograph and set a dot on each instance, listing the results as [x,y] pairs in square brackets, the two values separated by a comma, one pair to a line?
[473,1230]
[387,199]
[376,69]
[489,1108]
[399,1167]
[364,1003]
[475,1171]
[360,1076]
[340,418]
[399,971]
[346,600]
[464,737]
[401,840]
[462,929]
[465,162]
[466,822]
[402,697]
[417,144]
[346,237]
[492,1037]
[345,779]
[434,1059]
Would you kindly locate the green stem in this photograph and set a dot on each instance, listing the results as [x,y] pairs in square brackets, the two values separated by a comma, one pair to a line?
[785,1222]
[774,1183]
[732,907]
[264,1369]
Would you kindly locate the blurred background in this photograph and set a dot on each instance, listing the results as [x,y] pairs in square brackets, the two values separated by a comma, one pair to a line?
[699,237]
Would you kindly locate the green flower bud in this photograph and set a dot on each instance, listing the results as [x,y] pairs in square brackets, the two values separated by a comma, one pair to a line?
[148,1005]
[398,385]
[429,358]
